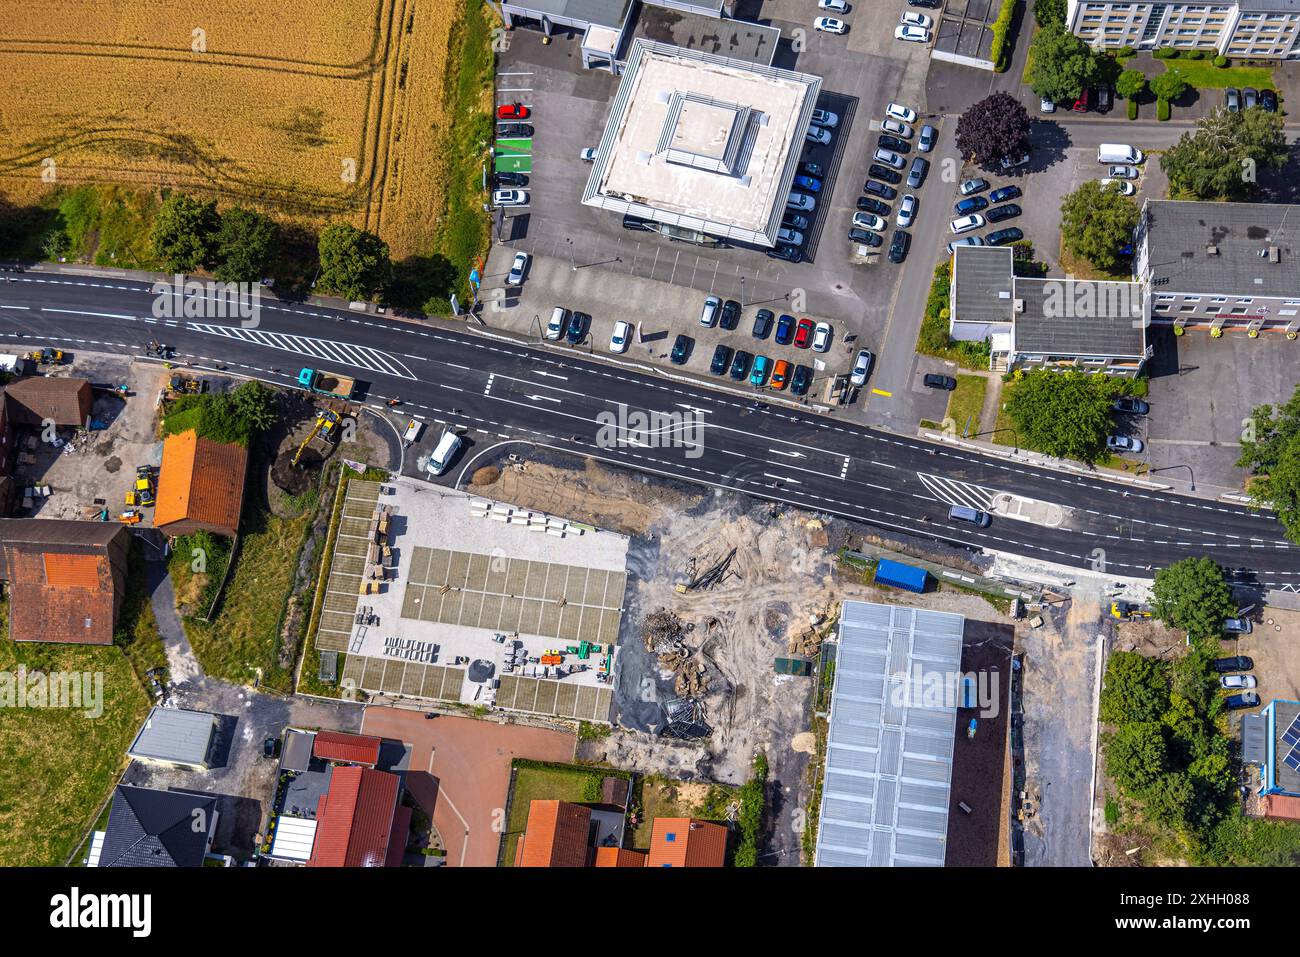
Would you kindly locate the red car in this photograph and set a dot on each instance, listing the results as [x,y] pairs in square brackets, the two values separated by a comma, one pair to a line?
[1082,103]
[803,333]
[513,111]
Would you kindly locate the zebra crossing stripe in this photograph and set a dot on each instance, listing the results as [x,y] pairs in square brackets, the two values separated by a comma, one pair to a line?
[952,492]
[340,353]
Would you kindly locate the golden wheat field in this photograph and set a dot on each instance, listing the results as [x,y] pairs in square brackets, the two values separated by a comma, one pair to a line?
[312,109]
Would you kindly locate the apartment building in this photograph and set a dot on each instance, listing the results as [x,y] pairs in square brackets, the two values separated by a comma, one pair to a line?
[1217,265]
[1247,29]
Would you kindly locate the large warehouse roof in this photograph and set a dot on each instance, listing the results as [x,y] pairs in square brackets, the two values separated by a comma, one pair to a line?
[702,142]
[889,751]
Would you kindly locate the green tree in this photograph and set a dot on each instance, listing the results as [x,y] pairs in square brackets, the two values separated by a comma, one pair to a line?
[1096,221]
[1062,65]
[1169,85]
[1066,414]
[1270,449]
[1168,798]
[353,262]
[244,245]
[1222,158]
[254,405]
[1192,595]
[1134,689]
[1135,756]
[1049,12]
[183,232]
[1130,84]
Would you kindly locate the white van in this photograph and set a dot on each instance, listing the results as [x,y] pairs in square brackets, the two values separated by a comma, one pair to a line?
[1119,153]
[441,457]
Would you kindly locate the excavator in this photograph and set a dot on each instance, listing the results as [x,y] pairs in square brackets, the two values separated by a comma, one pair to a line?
[327,421]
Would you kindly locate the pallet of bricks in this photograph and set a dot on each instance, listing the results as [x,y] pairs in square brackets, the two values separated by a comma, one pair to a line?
[379,553]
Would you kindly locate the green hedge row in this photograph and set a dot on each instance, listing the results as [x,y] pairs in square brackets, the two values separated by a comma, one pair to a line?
[1001,26]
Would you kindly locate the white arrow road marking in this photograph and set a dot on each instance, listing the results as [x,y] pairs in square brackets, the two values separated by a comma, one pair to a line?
[793,455]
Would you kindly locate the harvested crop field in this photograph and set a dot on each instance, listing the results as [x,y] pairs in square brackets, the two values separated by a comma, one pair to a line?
[315,111]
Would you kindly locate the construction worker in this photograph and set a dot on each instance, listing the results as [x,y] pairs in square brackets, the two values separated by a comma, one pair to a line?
[394,401]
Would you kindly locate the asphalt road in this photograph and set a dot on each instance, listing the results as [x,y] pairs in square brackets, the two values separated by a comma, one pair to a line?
[553,397]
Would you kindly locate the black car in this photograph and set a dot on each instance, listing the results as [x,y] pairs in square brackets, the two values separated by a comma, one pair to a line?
[876,171]
[577,330]
[890,142]
[865,236]
[898,245]
[1128,405]
[1235,663]
[1002,237]
[511,179]
[1268,100]
[514,129]
[811,169]
[999,213]
[636,222]
[730,317]
[916,175]
[1003,193]
[933,380]
[794,221]
[1247,699]
[270,747]
[869,205]
[763,320]
[800,381]
[740,364]
[878,189]
[791,254]
[929,4]
[721,360]
[682,349]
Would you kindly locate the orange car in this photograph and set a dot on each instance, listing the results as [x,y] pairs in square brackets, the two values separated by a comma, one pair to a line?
[780,374]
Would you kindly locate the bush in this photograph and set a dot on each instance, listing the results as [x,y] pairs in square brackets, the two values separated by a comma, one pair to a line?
[1132,109]
[1165,53]
[1194,55]
[1220,61]
[1125,51]
[1162,110]
[1001,26]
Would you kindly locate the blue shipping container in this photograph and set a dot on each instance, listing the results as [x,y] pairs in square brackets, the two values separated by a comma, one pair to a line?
[898,575]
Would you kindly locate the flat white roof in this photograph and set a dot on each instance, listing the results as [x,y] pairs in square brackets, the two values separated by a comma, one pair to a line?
[294,837]
[703,142]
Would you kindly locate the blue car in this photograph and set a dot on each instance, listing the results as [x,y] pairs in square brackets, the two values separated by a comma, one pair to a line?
[762,366]
[785,330]
[969,205]
[1003,194]
[810,183]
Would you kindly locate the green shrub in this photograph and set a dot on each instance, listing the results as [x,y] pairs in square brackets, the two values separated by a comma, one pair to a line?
[1132,109]
[1220,61]
[1162,110]
[1194,55]
[1165,53]
[1125,52]
[1000,28]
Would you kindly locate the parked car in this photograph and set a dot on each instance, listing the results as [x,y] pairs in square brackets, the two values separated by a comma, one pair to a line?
[618,340]
[509,197]
[763,320]
[1122,172]
[785,251]
[934,380]
[1003,193]
[794,221]
[517,269]
[821,341]
[819,135]
[511,179]
[999,213]
[870,205]
[1232,99]
[1249,97]
[830,25]
[925,142]
[1101,95]
[1045,105]
[898,246]
[1003,237]
[911,34]
[1268,100]
[721,360]
[780,374]
[1247,699]
[270,747]
[513,111]
[791,236]
[810,183]
[964,224]
[915,20]
[1238,681]
[889,158]
[709,311]
[976,185]
[801,202]
[761,368]
[878,189]
[515,129]
[740,364]
[1083,103]
[578,323]
[971,204]
[801,379]
[924,3]
[803,333]
[812,169]
[826,118]
[1122,186]
[864,236]
[890,142]
[834,6]
[559,321]
[784,330]
[1234,663]
[1128,405]
[868,221]
[895,128]
[1008,163]
[904,114]
[916,175]
[968,241]
[636,222]
[861,367]
[681,349]
[587,154]
[883,173]
[730,317]
[1238,626]
[906,211]
[1124,443]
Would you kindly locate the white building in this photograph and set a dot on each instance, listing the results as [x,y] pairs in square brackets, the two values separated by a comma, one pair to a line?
[1246,29]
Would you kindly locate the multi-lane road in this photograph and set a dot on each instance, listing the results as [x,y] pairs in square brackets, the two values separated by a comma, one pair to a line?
[502,390]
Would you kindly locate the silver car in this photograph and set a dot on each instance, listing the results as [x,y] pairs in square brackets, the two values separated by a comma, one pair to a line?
[861,367]
[906,211]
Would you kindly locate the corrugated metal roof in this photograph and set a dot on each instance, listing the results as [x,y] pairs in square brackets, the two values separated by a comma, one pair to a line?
[294,837]
[892,726]
[174,735]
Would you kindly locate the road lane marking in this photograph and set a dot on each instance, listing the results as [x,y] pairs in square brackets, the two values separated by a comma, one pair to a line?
[887,395]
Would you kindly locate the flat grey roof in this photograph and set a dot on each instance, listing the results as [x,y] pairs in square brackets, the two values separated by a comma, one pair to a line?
[984,291]
[606,13]
[1285,777]
[1179,234]
[888,777]
[1269,6]
[175,735]
[1080,318]
[737,39]
[295,753]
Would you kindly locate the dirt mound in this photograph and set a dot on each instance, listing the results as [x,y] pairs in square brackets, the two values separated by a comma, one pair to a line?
[485,476]
[296,479]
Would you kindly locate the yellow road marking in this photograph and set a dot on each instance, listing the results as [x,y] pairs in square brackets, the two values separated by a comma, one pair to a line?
[887,395]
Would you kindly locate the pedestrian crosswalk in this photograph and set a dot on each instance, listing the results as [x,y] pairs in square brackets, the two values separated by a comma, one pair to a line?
[337,353]
[952,492]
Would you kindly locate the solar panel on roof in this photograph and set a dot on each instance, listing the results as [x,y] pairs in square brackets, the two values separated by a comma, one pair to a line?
[1292,734]
[1292,760]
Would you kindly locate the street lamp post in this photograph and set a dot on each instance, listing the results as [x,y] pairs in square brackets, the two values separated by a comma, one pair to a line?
[573,265]
[742,292]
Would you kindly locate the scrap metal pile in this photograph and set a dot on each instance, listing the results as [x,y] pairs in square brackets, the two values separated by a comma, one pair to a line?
[663,633]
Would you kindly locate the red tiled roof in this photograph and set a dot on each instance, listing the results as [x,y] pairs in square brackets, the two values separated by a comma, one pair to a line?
[556,835]
[619,857]
[348,748]
[37,399]
[686,842]
[201,484]
[355,819]
[397,840]
[1282,806]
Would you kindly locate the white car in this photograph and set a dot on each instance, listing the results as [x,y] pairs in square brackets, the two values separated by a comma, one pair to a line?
[861,367]
[830,25]
[559,320]
[1125,187]
[1124,443]
[906,211]
[834,6]
[912,34]
[825,118]
[509,197]
[709,314]
[910,18]
[1124,172]
[822,337]
[889,158]
[588,154]
[896,111]
[964,224]
[517,269]
[895,128]
[968,241]
[802,202]
[1045,105]
[622,332]
[869,221]
[818,134]
[1237,681]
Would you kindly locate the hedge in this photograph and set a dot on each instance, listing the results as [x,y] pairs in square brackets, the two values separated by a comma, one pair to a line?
[1001,26]
[1165,53]
[1162,110]
[1132,109]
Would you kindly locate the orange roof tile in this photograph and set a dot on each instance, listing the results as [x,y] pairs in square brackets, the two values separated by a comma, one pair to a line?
[1282,806]
[619,857]
[355,819]
[556,835]
[686,842]
[201,482]
[349,748]
[71,571]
